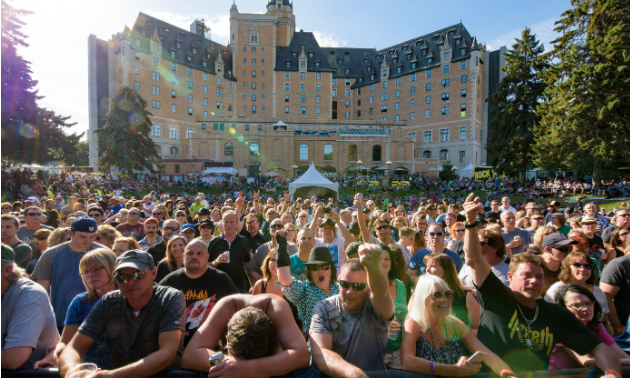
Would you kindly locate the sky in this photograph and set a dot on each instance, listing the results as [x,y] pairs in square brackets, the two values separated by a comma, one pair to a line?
[58,30]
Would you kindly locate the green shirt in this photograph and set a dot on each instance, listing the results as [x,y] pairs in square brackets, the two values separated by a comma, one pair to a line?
[400,314]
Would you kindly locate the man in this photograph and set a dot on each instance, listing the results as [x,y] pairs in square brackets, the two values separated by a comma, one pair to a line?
[493,251]
[158,251]
[105,203]
[432,213]
[269,217]
[206,229]
[204,213]
[57,270]
[251,233]
[29,332]
[505,205]
[494,212]
[234,262]
[435,244]
[555,249]
[133,228]
[306,243]
[96,213]
[254,270]
[68,209]
[615,283]
[203,286]
[345,216]
[188,230]
[147,206]
[116,205]
[595,242]
[517,324]
[591,209]
[530,209]
[143,323]
[10,227]
[32,215]
[195,207]
[262,338]
[349,331]
[329,239]
[516,238]
[51,214]
[536,220]
[622,217]
[150,234]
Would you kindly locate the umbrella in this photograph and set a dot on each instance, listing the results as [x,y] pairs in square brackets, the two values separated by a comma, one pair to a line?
[271,173]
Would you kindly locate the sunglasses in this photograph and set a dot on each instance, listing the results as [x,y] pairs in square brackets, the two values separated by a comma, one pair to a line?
[538,219]
[563,249]
[448,295]
[355,286]
[92,271]
[436,234]
[179,215]
[623,215]
[135,276]
[382,228]
[133,213]
[204,227]
[157,213]
[315,268]
[33,214]
[585,266]
[275,226]
[460,230]
[254,222]
[171,228]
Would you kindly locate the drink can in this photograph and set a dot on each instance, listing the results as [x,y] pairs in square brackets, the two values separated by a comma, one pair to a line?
[216,359]
[227,254]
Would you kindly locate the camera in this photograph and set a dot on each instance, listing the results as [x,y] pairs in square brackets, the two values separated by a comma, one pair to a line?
[326,210]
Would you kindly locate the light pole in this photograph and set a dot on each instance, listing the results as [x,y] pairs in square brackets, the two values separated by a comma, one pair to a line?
[295,167]
[389,166]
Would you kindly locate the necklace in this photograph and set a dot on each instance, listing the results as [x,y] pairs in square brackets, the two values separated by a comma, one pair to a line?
[529,322]
[442,341]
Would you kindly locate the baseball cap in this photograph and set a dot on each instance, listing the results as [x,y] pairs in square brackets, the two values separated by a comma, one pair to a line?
[568,209]
[151,220]
[557,240]
[33,200]
[7,253]
[328,222]
[84,224]
[134,259]
[369,202]
[187,226]
[353,249]
[589,219]
[207,222]
[204,211]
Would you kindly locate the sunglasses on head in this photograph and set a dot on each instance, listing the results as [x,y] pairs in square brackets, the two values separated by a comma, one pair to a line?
[443,294]
[385,227]
[585,266]
[355,286]
[315,268]
[138,275]
[436,234]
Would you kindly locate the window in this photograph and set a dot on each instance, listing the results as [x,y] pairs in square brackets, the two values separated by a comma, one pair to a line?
[190,71]
[376,153]
[219,105]
[219,92]
[244,73]
[190,111]
[476,61]
[397,93]
[412,116]
[444,155]
[190,98]
[253,97]
[229,95]
[383,108]
[371,87]
[317,110]
[384,96]
[370,111]
[334,81]
[190,85]
[155,104]
[136,85]
[462,65]
[302,98]
[384,84]
[462,133]
[398,79]
[464,78]
[427,137]
[155,61]
[173,94]
[412,90]
[302,87]
[445,110]
[288,64]
[334,92]
[463,93]
[428,99]
[286,110]
[446,96]
[413,77]
[244,85]
[155,90]
[205,114]
[203,126]
[318,99]
[446,83]
[260,128]
[446,69]
[428,86]
[155,76]
[318,75]
[253,149]
[174,133]
[462,108]
[302,75]
[304,152]
[174,108]
[228,148]
[462,51]
[347,92]
[189,133]
[137,56]
[205,76]
[429,73]
[286,98]
[412,103]
[397,118]
[426,154]
[371,99]
[156,131]
[174,67]
[286,86]
[445,135]
[302,110]
[347,104]
[287,75]
[429,60]
[245,108]
[328,152]
[246,127]
[398,106]
[462,156]
[428,113]
[347,114]
[220,81]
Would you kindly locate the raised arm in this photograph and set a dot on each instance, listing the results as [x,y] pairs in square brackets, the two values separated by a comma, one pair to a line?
[370,257]
[286,202]
[472,246]
[284,262]
[365,231]
[344,231]
[240,204]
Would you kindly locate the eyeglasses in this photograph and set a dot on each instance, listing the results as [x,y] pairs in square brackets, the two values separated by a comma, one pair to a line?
[159,213]
[138,275]
[254,222]
[385,227]
[6,208]
[204,227]
[170,228]
[585,266]
[355,286]
[92,271]
[179,215]
[275,226]
[448,295]
[436,234]
[538,219]
[133,213]
[563,249]
[460,230]
[33,214]
[582,305]
[315,268]
[303,216]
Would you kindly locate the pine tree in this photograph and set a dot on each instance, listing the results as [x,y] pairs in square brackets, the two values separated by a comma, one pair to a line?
[513,112]
[124,140]
[586,122]
[447,173]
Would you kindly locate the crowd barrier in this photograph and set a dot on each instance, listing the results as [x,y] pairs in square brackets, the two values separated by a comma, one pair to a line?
[576,373]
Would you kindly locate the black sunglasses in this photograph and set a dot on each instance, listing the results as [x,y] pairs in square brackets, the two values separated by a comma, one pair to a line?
[315,268]
[275,226]
[135,276]
[563,249]
[443,294]
[436,234]
[585,266]
[171,229]
[33,214]
[382,228]
[355,286]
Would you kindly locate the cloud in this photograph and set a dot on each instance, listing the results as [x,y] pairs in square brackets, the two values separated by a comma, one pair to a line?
[219,25]
[543,30]
[329,40]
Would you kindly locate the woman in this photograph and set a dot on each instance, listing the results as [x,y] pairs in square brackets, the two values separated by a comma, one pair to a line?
[119,218]
[400,212]
[215,215]
[291,232]
[437,343]
[169,208]
[464,304]
[420,223]
[575,221]
[619,243]
[180,217]
[559,221]
[96,269]
[6,208]
[578,269]
[106,235]
[270,275]
[398,291]
[302,219]
[582,303]
[287,218]
[399,222]
[123,244]
[457,233]
[540,234]
[174,257]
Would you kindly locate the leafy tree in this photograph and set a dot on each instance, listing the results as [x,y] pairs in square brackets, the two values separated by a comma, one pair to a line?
[125,140]
[447,173]
[80,156]
[513,111]
[585,121]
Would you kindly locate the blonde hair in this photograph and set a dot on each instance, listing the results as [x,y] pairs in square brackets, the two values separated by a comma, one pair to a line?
[131,242]
[99,256]
[170,260]
[109,232]
[57,237]
[541,232]
[426,286]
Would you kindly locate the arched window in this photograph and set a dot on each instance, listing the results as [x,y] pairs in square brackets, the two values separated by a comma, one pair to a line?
[303,151]
[376,153]
[253,149]
[174,151]
[444,155]
[228,149]
[426,154]
[352,152]
[328,152]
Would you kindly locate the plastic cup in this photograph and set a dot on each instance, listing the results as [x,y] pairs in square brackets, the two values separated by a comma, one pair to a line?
[82,371]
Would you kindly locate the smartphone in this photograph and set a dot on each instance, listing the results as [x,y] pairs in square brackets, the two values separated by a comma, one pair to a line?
[477,357]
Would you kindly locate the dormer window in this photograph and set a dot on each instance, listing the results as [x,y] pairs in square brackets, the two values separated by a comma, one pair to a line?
[178,44]
[413,65]
[294,54]
[369,68]
[167,30]
[161,38]
[137,42]
[205,64]
[395,60]
[194,50]
[172,54]
[446,56]
[279,6]
[462,52]
[317,64]
[384,72]
[399,70]
[430,61]
[219,68]
[208,55]
[424,52]
[340,61]
[189,59]
[347,71]
[288,64]
[311,55]
[458,41]
[372,77]
[143,32]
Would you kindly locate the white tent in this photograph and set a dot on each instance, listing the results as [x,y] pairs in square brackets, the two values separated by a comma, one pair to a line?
[467,172]
[312,178]
[280,123]
[271,173]
[220,171]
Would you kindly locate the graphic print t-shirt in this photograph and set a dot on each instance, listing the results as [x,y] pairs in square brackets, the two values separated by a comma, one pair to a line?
[201,294]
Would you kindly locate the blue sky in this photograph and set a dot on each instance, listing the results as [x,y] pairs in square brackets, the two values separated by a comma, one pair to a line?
[58,30]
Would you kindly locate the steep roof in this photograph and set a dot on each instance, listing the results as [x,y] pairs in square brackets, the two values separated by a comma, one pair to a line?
[291,54]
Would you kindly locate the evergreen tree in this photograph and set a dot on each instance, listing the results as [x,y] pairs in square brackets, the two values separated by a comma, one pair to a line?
[513,111]
[80,156]
[585,122]
[447,173]
[124,140]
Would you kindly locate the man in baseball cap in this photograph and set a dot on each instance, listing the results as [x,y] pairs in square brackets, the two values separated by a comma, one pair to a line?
[555,247]
[141,319]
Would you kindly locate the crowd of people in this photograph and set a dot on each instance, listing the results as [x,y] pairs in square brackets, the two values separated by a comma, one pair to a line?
[363,286]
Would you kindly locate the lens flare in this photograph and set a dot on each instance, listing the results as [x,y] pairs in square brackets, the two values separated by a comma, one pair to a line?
[28,131]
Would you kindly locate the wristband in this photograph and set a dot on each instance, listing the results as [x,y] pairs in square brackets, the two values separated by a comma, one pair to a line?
[613,372]
[433,368]
[509,373]
[471,225]
[620,330]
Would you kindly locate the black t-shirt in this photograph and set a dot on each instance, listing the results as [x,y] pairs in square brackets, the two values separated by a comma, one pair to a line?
[505,332]
[239,255]
[596,243]
[617,273]
[493,215]
[551,277]
[201,295]
[253,242]
[157,251]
